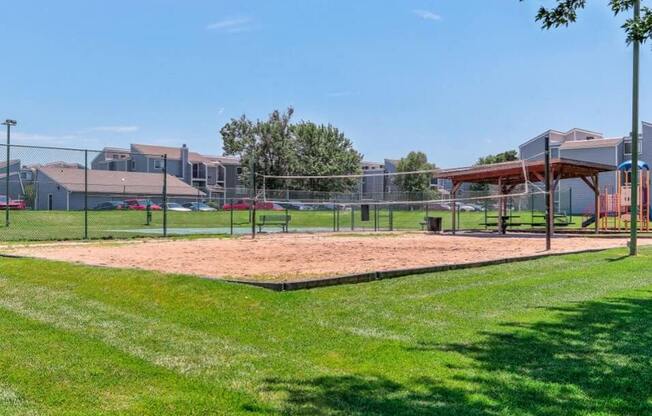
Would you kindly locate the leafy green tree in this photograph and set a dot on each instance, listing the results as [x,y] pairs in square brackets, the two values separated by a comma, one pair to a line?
[417,183]
[324,150]
[266,144]
[507,156]
[565,13]
[29,196]
[277,147]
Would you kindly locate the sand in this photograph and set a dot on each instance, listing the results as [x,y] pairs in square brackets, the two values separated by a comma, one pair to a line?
[287,257]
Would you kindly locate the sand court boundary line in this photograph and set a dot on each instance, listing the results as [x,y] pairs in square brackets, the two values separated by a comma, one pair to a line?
[396,273]
[356,278]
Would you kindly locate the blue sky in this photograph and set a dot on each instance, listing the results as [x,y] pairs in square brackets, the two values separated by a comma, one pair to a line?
[456,79]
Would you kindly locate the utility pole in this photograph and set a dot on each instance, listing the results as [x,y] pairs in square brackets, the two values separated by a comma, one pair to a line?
[253,191]
[633,249]
[548,194]
[9,124]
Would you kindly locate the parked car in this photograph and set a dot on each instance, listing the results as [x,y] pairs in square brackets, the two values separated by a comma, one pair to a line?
[440,207]
[141,204]
[296,206]
[198,206]
[173,206]
[477,207]
[110,205]
[13,203]
[467,208]
[245,205]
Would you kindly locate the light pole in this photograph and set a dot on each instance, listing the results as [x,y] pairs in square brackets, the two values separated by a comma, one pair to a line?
[9,123]
[633,250]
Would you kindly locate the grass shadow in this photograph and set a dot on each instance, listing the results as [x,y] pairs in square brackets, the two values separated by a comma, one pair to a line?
[586,358]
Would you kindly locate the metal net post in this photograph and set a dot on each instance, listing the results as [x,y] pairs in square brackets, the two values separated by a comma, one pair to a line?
[86,194]
[7,173]
[231,209]
[165,195]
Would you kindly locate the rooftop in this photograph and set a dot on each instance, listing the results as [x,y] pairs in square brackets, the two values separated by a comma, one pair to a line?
[511,173]
[119,183]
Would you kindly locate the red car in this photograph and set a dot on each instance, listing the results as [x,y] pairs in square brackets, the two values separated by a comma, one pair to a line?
[13,203]
[141,204]
[246,205]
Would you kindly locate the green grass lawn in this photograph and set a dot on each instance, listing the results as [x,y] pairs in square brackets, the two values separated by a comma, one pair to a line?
[565,335]
[54,225]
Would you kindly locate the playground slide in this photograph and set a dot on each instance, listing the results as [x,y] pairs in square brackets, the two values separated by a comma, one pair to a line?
[588,221]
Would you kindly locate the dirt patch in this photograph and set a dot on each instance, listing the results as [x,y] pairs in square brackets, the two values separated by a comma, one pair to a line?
[300,256]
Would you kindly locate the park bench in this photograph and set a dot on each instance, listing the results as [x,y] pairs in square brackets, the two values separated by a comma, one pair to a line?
[494,221]
[559,219]
[274,220]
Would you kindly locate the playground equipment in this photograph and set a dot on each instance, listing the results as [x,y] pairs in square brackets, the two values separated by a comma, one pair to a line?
[615,209]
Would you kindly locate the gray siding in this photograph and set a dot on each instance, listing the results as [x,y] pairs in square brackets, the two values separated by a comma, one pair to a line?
[646,154]
[583,201]
[46,186]
[15,183]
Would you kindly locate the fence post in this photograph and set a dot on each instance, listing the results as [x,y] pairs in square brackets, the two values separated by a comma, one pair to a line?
[231,204]
[352,217]
[570,205]
[7,173]
[165,195]
[338,218]
[375,217]
[85,194]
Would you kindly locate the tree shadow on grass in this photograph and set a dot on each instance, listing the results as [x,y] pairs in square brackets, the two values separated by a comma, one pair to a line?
[588,358]
[358,395]
[592,357]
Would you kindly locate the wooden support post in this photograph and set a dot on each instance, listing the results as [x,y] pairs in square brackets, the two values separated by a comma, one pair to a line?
[596,187]
[456,187]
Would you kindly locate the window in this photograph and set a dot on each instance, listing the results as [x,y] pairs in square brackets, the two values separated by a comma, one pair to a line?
[27,175]
[158,164]
[628,147]
[239,171]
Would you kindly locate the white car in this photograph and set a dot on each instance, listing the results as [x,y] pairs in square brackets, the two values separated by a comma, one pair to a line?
[467,208]
[173,206]
[198,206]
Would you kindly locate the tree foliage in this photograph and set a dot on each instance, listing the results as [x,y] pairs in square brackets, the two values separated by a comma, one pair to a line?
[277,147]
[265,144]
[324,150]
[565,13]
[414,183]
[507,156]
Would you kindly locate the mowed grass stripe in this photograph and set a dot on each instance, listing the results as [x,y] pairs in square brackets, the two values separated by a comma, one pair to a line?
[55,371]
[541,337]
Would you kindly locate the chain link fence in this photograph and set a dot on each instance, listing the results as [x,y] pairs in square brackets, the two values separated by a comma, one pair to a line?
[49,193]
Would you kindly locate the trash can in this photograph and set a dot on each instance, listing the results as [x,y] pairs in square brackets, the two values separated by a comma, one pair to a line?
[433,224]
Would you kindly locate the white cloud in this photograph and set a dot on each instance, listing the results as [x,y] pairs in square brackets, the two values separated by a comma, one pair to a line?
[220,111]
[63,140]
[232,25]
[427,15]
[115,129]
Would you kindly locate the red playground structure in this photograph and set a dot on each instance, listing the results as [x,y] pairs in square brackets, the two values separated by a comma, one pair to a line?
[615,209]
